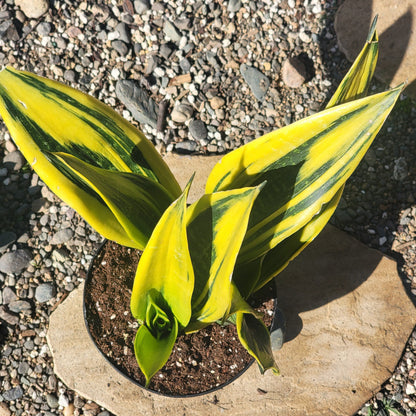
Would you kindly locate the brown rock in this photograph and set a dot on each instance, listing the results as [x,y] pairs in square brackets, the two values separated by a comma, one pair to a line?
[4,410]
[33,9]
[216,102]
[396,27]
[293,72]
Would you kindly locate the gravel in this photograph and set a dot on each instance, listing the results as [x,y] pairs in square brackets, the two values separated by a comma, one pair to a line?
[223,73]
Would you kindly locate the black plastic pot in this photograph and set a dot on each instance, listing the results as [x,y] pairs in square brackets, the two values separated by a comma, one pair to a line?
[277,334]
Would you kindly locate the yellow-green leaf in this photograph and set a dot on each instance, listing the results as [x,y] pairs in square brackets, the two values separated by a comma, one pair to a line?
[165,265]
[355,84]
[153,345]
[216,227]
[135,200]
[45,116]
[304,164]
[255,338]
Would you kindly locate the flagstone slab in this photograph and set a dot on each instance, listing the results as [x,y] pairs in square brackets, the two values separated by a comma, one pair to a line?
[348,319]
[396,27]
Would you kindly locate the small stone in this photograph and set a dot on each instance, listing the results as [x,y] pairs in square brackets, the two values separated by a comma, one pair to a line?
[256,80]
[6,238]
[62,236]
[185,65]
[187,146]
[69,410]
[410,389]
[20,306]
[23,368]
[216,102]
[124,32]
[198,130]
[294,72]
[15,261]
[8,295]
[44,28]
[14,161]
[8,317]
[400,169]
[181,113]
[33,9]
[69,75]
[234,6]
[8,31]
[142,107]
[141,6]
[13,394]
[171,32]
[52,401]
[44,292]
[4,410]
[120,47]
[165,50]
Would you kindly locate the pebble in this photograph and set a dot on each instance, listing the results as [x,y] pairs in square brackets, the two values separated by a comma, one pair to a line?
[120,47]
[234,5]
[256,80]
[198,130]
[18,306]
[9,295]
[181,113]
[4,410]
[171,32]
[216,102]
[33,9]
[13,394]
[141,6]
[293,72]
[14,161]
[62,236]
[15,261]
[142,107]
[45,292]
[44,28]
[52,401]
[187,146]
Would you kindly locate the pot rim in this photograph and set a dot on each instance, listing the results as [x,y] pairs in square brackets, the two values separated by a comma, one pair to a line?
[274,324]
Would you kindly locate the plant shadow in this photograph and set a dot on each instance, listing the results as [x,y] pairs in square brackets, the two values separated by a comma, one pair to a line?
[333,266]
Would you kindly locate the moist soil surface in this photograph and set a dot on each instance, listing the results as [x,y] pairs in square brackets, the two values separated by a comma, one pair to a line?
[199,362]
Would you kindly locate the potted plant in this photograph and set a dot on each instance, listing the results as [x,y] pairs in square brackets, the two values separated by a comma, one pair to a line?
[200,263]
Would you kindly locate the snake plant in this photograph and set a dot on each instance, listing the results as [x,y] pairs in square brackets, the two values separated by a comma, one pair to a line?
[263,202]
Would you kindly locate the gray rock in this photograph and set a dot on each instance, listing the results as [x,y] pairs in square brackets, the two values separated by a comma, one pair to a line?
[8,31]
[165,50]
[183,23]
[13,394]
[141,6]
[171,32]
[15,261]
[294,72]
[400,169]
[8,317]
[120,47]
[62,236]
[23,368]
[14,161]
[8,295]
[6,238]
[124,32]
[20,306]
[198,130]
[52,401]
[234,5]
[187,146]
[142,107]
[256,80]
[181,113]
[185,65]
[44,28]
[44,292]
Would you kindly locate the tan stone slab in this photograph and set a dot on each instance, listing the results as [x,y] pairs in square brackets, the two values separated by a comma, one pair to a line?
[183,166]
[397,34]
[348,320]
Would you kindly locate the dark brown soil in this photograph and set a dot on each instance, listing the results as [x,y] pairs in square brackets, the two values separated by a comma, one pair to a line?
[199,362]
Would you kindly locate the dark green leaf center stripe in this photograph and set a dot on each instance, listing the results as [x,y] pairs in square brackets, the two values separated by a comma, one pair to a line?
[267,229]
[121,143]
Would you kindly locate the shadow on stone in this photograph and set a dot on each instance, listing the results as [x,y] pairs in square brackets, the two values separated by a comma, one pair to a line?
[322,273]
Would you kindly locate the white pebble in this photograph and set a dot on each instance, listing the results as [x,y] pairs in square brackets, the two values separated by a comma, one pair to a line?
[410,389]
